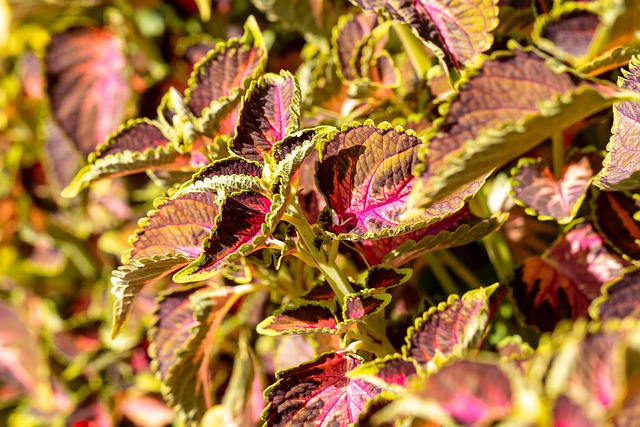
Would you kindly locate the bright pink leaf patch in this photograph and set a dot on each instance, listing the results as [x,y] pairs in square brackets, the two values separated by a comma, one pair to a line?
[366,175]
[318,393]
[472,393]
[562,282]
[87,84]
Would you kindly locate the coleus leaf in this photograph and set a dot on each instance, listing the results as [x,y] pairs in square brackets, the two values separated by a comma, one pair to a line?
[311,18]
[461,29]
[594,358]
[615,216]
[457,229]
[361,305]
[365,174]
[305,319]
[450,327]
[62,160]
[88,84]
[219,80]
[394,369]
[511,104]
[318,392]
[621,165]
[137,146]
[347,36]
[566,278]
[568,413]
[577,32]
[246,219]
[383,277]
[619,298]
[270,111]
[183,343]
[540,193]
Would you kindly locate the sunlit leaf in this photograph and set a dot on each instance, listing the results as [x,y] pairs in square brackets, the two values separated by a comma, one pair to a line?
[619,298]
[347,36]
[562,282]
[460,29]
[510,105]
[621,166]
[392,369]
[318,393]
[359,306]
[615,214]
[450,327]
[306,319]
[270,111]
[366,175]
[382,277]
[88,84]
[311,18]
[219,80]
[246,219]
[137,146]
[536,188]
[567,413]
[458,229]
[184,343]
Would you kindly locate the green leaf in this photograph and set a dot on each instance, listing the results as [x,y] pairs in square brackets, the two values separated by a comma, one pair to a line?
[449,328]
[621,169]
[219,80]
[513,102]
[128,280]
[311,18]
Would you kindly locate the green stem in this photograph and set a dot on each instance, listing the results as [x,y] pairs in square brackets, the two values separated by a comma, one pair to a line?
[442,275]
[557,144]
[459,269]
[415,48]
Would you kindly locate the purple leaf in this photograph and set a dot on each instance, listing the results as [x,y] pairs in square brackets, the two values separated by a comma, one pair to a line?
[449,328]
[246,219]
[183,342]
[570,34]
[318,393]
[461,30]
[620,298]
[366,175]
[392,369]
[306,319]
[62,158]
[359,306]
[221,77]
[386,277]
[615,219]
[536,188]
[621,165]
[87,84]
[346,40]
[562,282]
[270,111]
[567,413]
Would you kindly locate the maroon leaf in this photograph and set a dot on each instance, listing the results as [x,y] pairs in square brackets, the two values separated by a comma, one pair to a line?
[351,32]
[562,282]
[320,292]
[615,219]
[536,188]
[226,71]
[362,305]
[366,175]
[462,30]
[183,345]
[270,111]
[472,393]
[385,277]
[246,219]
[572,33]
[87,84]
[620,299]
[307,319]
[318,393]
[449,328]
[62,158]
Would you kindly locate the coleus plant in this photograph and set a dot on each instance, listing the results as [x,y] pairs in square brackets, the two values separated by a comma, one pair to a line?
[299,217]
